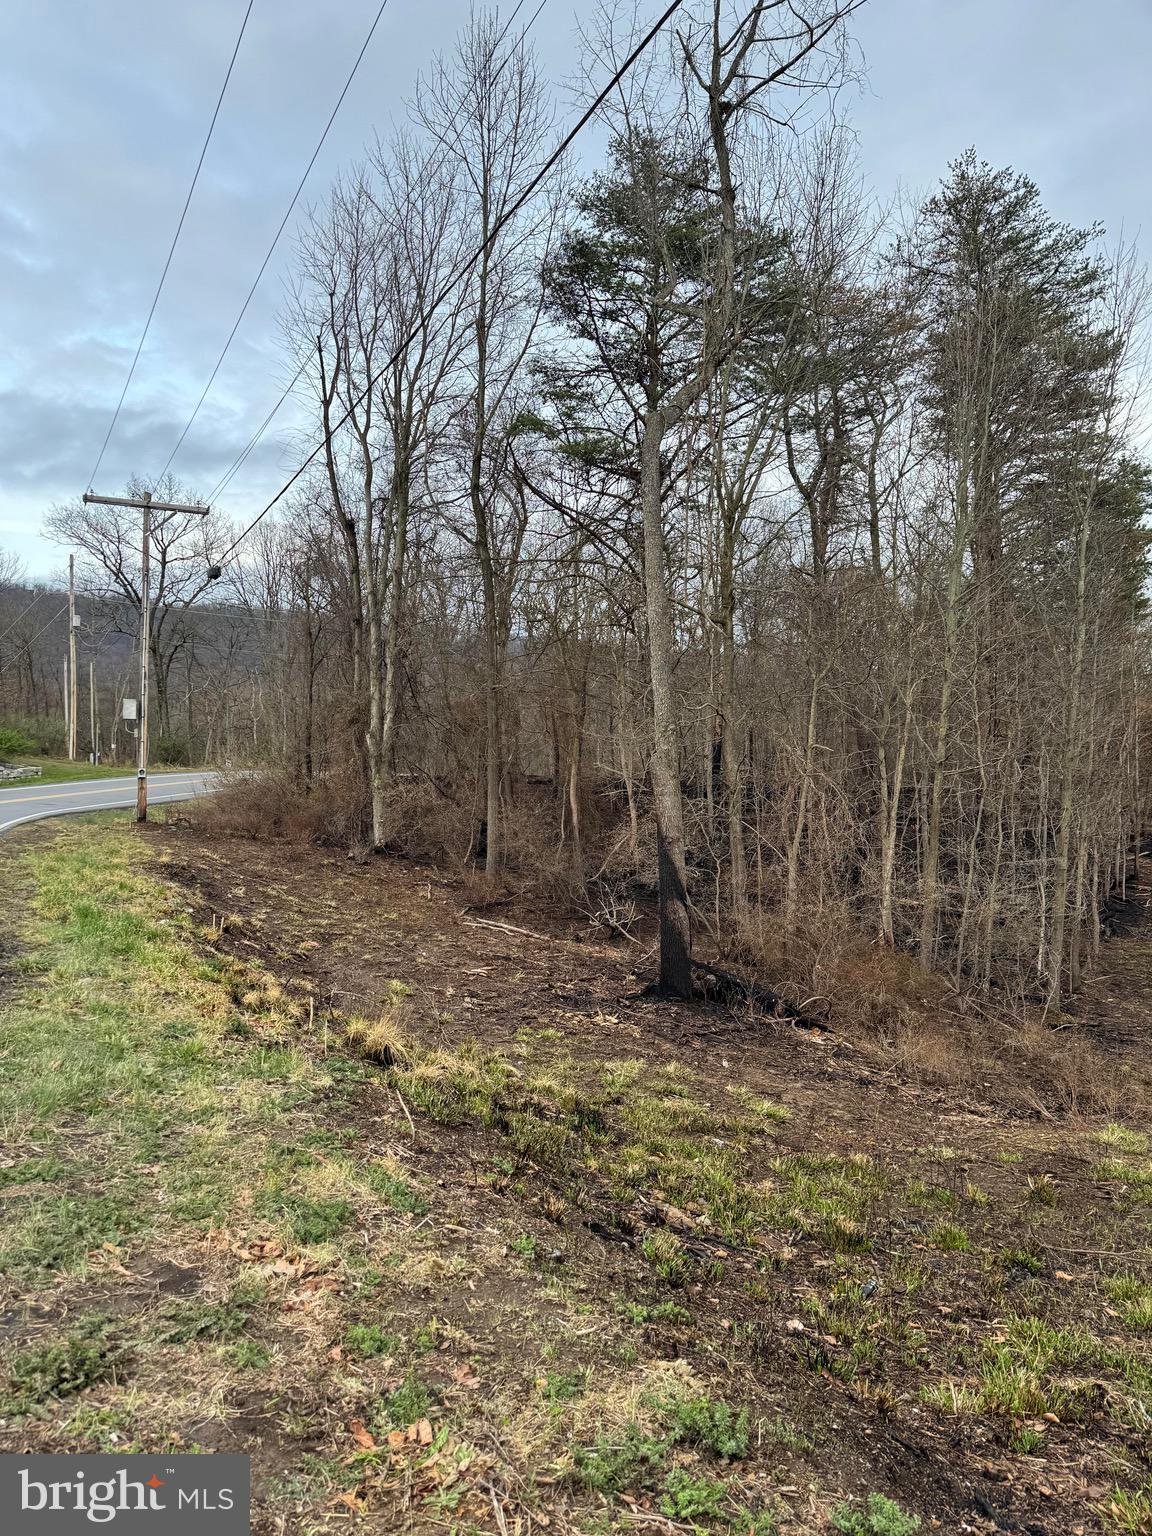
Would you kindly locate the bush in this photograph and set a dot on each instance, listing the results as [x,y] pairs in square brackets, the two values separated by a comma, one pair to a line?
[36,735]
[172,751]
[15,742]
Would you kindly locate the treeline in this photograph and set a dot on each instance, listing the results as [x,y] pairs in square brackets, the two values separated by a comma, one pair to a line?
[206,666]
[717,530]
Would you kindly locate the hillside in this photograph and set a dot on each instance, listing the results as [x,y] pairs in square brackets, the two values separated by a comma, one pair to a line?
[576,1259]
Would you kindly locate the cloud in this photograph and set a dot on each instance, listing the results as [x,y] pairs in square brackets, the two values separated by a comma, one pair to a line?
[103,109]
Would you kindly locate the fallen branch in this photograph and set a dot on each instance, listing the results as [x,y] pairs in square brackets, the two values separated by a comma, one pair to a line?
[733,987]
[488,922]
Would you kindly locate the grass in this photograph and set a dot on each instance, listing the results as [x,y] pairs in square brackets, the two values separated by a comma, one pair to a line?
[60,771]
[121,1049]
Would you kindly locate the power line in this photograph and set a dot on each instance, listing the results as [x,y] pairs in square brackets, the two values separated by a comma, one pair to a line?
[465,267]
[230,473]
[275,240]
[172,247]
[21,615]
[30,643]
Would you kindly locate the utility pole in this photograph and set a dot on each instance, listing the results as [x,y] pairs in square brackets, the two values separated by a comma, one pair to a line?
[146,506]
[71,658]
[93,728]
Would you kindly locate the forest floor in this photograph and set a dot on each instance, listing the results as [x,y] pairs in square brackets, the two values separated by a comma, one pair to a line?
[559,1254]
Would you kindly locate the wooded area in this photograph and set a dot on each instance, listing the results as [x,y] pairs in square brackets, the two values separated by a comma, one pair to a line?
[720,534]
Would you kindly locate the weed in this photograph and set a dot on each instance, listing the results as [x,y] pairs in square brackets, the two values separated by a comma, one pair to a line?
[1135,1298]
[395,1191]
[367,1340]
[1042,1189]
[1121,1139]
[525,1245]
[57,1232]
[1130,1510]
[705,1422]
[1027,1440]
[221,1320]
[559,1387]
[611,1464]
[931,1196]
[880,1516]
[406,1404]
[381,1039]
[51,1371]
[34,1170]
[666,1256]
[1025,1259]
[309,1222]
[783,1433]
[662,1312]
[692,1498]
[249,1354]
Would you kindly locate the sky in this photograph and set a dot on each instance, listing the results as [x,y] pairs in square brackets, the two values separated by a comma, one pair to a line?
[103,109]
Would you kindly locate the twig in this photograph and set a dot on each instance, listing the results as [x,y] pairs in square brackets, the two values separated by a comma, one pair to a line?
[404,1107]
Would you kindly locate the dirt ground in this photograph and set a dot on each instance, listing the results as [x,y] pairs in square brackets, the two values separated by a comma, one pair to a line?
[942,1294]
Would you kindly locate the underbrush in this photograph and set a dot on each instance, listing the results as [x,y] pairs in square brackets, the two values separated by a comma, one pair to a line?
[828,969]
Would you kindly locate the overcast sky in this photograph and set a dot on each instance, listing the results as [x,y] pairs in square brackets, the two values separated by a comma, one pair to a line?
[104,104]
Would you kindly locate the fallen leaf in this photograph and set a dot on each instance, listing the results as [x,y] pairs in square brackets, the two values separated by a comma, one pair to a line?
[363,1439]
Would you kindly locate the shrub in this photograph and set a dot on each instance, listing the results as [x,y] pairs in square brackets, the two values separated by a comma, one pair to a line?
[172,751]
[14,742]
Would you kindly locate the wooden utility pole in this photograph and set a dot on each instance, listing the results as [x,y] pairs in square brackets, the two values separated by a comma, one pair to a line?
[72,658]
[146,506]
[93,728]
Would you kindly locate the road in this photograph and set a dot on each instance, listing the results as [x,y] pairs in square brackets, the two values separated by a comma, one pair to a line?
[27,802]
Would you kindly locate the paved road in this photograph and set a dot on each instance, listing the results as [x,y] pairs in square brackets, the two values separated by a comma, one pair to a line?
[27,801]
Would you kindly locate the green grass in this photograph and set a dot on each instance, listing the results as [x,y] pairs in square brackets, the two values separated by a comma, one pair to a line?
[117,1053]
[60,771]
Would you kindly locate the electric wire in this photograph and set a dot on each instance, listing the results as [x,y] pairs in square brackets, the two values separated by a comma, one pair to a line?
[463,270]
[275,240]
[28,644]
[230,473]
[171,249]
[23,614]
